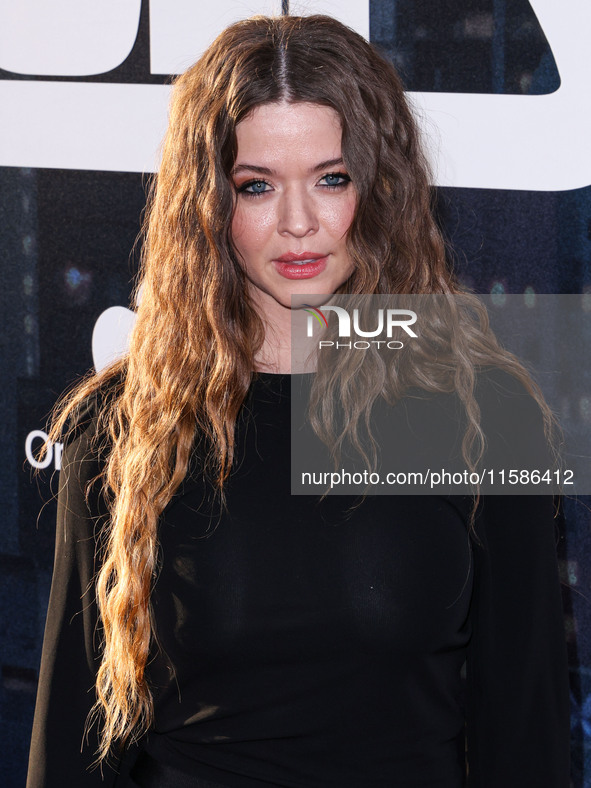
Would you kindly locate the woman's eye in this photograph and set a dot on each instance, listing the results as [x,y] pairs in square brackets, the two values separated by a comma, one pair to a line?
[254,187]
[334,179]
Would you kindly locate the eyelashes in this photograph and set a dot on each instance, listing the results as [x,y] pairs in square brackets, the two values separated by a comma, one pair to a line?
[344,179]
[258,186]
[253,188]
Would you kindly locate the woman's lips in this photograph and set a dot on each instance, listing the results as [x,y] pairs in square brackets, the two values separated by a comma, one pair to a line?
[292,270]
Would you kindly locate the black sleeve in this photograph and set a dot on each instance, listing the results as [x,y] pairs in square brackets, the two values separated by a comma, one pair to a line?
[517,676]
[58,756]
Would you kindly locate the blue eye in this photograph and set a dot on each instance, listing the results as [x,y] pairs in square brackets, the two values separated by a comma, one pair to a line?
[335,179]
[254,188]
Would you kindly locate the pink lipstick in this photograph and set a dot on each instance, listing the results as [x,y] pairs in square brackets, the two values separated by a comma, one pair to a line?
[303,265]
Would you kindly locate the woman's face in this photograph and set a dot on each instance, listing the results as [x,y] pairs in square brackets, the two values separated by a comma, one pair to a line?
[294,203]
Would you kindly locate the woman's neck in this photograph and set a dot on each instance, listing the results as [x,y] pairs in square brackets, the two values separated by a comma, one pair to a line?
[282,360]
[285,349]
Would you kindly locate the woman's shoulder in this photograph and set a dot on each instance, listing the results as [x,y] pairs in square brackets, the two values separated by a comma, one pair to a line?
[496,383]
[508,407]
[522,438]
[83,501]
[91,413]
[86,439]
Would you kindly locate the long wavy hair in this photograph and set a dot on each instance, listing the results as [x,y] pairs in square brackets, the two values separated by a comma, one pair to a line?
[192,351]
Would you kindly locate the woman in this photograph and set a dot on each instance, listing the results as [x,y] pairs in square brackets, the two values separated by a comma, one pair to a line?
[223,632]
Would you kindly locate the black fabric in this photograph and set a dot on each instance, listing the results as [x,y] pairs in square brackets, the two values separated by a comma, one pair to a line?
[308,644]
[150,773]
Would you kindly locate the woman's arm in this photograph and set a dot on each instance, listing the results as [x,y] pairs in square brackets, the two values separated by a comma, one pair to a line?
[517,677]
[58,755]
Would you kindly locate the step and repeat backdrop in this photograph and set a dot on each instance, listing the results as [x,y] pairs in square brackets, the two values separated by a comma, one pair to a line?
[501,91]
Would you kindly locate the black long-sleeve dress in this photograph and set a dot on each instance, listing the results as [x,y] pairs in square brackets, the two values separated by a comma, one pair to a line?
[306,645]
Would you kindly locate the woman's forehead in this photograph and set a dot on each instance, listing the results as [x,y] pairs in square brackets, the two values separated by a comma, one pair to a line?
[273,135]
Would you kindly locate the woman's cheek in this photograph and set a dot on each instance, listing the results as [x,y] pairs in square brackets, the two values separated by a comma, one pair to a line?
[339,215]
[252,227]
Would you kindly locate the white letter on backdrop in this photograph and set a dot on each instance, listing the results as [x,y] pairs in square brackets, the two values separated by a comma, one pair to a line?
[73,38]
[181,30]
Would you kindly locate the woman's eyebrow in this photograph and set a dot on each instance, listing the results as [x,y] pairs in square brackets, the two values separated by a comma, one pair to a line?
[326,164]
[266,171]
[252,168]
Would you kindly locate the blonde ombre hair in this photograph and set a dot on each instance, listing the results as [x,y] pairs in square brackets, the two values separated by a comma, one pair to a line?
[191,358]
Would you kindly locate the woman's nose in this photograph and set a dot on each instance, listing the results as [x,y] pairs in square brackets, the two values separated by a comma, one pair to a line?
[297,213]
